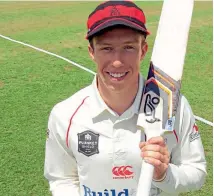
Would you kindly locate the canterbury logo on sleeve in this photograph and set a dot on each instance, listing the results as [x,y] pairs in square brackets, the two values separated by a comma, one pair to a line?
[195,133]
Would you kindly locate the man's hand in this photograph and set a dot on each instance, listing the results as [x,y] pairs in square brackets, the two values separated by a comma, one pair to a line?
[155,152]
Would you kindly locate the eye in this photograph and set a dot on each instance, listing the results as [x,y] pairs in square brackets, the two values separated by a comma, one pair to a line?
[128,47]
[107,48]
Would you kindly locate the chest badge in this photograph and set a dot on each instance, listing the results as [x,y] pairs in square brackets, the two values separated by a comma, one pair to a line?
[88,143]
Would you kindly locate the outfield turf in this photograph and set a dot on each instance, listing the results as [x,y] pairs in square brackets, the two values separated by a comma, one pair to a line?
[31,83]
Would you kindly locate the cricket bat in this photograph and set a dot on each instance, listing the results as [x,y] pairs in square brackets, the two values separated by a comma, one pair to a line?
[162,89]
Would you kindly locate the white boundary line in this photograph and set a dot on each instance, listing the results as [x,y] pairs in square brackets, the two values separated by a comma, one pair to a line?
[50,53]
[203,120]
[81,67]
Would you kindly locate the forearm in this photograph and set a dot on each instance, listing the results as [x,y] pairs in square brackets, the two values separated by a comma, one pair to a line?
[182,179]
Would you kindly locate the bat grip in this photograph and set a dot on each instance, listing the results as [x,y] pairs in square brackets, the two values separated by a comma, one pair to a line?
[145,179]
[147,170]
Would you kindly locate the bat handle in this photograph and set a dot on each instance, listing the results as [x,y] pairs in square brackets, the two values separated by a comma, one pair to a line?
[147,170]
[145,179]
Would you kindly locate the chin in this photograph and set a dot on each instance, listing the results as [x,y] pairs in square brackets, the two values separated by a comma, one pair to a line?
[116,88]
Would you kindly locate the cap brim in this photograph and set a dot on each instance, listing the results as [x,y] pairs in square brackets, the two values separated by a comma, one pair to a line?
[115,22]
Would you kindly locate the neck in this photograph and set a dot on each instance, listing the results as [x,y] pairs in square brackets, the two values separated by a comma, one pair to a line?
[118,101]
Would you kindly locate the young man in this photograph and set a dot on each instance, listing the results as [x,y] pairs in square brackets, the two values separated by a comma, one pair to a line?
[94,147]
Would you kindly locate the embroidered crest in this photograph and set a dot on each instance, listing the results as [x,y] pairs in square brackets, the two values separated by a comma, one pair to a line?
[114,11]
[88,143]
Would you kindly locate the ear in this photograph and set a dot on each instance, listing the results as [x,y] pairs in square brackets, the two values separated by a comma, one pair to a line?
[91,52]
[144,50]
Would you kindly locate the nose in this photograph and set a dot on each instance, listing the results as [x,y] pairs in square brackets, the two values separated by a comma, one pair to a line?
[117,63]
[117,59]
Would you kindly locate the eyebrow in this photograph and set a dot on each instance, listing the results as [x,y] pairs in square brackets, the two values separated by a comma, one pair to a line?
[131,42]
[108,44]
[103,43]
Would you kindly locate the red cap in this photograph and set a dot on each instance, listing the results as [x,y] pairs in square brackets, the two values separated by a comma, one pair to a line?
[113,13]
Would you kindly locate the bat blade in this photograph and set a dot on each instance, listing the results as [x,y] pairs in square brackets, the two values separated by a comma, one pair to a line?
[170,44]
[162,89]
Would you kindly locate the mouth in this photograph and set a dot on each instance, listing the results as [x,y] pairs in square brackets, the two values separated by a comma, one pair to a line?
[117,76]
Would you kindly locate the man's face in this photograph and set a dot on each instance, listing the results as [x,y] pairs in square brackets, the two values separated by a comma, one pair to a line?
[118,54]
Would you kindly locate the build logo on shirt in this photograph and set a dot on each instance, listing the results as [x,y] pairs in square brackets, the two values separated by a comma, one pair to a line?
[88,143]
[112,192]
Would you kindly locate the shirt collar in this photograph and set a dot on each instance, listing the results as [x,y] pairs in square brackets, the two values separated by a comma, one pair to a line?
[98,105]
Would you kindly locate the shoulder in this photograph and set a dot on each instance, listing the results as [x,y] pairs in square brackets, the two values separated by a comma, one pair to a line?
[185,107]
[185,119]
[67,107]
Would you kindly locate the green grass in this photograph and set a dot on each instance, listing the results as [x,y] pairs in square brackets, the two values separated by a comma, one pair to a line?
[32,82]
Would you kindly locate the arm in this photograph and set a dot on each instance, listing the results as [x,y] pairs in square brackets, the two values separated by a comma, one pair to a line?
[60,165]
[187,168]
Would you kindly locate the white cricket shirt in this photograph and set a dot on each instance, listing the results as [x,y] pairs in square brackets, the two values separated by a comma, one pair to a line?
[92,151]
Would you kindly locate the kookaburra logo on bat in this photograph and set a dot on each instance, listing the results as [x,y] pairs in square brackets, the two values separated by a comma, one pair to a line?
[149,108]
